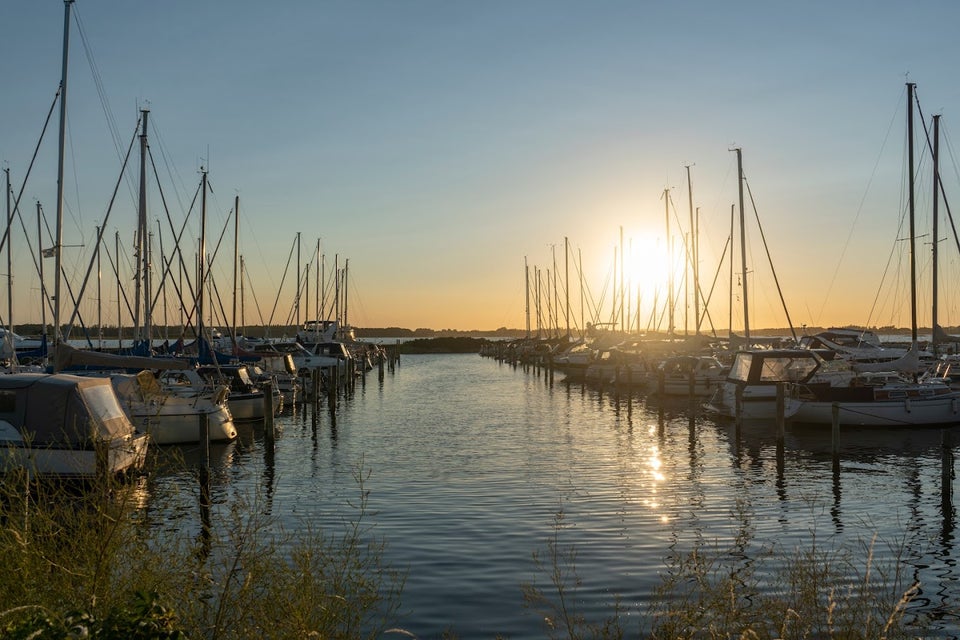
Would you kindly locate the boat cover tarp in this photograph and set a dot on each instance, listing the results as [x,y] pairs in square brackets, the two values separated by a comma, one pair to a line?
[62,410]
[70,357]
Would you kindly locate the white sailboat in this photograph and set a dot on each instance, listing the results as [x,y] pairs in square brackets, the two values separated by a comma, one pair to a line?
[886,394]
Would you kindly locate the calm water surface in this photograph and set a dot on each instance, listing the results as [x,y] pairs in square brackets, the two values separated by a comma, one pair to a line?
[471,462]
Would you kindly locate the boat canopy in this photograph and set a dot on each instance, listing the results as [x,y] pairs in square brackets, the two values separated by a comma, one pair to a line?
[774,365]
[62,410]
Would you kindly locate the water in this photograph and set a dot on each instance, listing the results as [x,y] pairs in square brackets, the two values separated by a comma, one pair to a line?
[471,462]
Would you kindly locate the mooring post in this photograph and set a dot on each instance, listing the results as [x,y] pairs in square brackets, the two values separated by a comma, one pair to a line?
[204,442]
[835,433]
[332,387]
[781,410]
[269,432]
[661,383]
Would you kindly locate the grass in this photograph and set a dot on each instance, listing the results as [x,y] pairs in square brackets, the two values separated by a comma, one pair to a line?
[726,591]
[83,563]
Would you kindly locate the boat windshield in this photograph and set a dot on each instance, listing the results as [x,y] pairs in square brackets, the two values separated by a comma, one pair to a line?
[773,368]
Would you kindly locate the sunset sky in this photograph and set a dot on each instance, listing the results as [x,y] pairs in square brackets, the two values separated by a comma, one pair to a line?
[439,145]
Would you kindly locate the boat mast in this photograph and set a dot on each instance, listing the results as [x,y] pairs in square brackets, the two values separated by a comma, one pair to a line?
[566,277]
[60,158]
[346,298]
[236,255]
[10,261]
[526,292]
[936,235]
[116,252]
[99,296]
[743,247]
[693,256]
[666,210]
[203,250]
[913,259]
[730,304]
[299,273]
[143,258]
[43,288]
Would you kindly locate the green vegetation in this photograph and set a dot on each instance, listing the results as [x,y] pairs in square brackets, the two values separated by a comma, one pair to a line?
[443,345]
[79,564]
[721,592]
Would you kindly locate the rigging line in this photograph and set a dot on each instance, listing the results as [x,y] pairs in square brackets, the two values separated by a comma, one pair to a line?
[282,280]
[103,226]
[776,280]
[178,236]
[116,273]
[98,84]
[856,218]
[26,178]
[176,180]
[716,277]
[939,177]
[256,302]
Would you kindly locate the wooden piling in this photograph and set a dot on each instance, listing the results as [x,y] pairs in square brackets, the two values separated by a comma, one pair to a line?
[835,433]
[269,431]
[781,411]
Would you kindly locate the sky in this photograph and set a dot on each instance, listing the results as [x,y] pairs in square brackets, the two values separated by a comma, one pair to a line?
[456,154]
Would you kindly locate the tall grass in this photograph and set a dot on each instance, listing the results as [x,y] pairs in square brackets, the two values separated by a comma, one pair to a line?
[84,559]
[738,589]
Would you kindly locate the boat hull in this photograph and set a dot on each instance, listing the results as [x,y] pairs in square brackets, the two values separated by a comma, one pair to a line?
[933,411]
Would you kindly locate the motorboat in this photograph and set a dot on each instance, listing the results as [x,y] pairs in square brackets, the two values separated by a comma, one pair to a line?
[697,375]
[245,399]
[170,418]
[752,382]
[66,426]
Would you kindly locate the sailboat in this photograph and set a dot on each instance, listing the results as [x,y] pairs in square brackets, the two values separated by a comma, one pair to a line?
[882,394]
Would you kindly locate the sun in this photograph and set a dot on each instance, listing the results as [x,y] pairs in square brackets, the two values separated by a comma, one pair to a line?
[646,264]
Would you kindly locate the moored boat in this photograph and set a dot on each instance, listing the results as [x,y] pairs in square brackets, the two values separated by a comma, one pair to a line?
[66,426]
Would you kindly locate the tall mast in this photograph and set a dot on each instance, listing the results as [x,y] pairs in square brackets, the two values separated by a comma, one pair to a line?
[203,250]
[60,156]
[730,302]
[116,253]
[566,277]
[693,255]
[99,295]
[10,259]
[236,255]
[297,298]
[666,209]
[936,236]
[243,323]
[43,288]
[319,284]
[913,255]
[743,247]
[143,259]
[526,292]
[346,297]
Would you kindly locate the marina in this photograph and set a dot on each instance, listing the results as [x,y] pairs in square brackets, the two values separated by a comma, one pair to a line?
[470,461]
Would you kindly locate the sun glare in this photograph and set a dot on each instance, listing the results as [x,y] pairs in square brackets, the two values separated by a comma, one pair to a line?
[646,264]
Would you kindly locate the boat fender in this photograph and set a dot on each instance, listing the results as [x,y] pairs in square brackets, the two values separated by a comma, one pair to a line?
[906,404]
[953,405]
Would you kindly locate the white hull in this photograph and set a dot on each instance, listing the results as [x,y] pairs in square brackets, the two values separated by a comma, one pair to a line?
[169,427]
[250,406]
[758,402]
[121,456]
[941,410]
